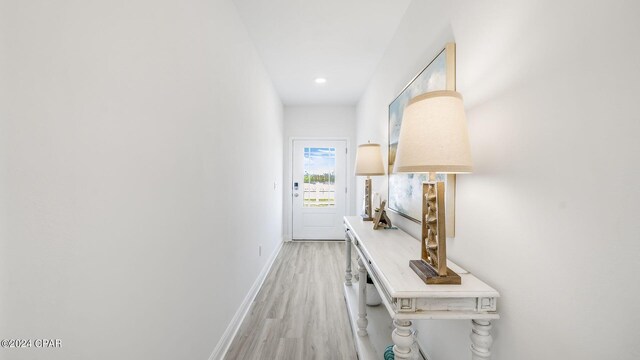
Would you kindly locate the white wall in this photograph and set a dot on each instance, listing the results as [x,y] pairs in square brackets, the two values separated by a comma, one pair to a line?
[139,141]
[551,215]
[321,122]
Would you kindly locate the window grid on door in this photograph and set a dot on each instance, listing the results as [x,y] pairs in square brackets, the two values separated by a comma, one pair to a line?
[319,177]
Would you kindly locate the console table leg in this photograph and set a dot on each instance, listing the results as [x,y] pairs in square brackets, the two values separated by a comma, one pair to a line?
[481,339]
[403,339]
[362,297]
[347,275]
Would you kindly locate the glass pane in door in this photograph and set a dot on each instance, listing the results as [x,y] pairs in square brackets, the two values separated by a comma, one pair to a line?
[319,177]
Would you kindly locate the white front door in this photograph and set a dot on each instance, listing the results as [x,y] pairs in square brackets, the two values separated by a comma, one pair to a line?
[319,189]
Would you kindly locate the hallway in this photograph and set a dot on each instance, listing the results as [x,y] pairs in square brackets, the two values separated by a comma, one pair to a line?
[300,311]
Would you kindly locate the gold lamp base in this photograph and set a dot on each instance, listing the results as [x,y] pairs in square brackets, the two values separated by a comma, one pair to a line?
[432,267]
[368,213]
[429,274]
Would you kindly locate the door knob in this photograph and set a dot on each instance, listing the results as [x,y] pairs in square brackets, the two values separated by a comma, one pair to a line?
[295,195]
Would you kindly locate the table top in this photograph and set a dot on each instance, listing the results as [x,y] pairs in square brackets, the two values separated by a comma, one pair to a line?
[389,252]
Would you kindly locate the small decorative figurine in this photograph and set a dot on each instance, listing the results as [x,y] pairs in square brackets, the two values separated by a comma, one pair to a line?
[381,219]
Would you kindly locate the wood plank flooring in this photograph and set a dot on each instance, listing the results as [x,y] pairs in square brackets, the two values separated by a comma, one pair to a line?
[300,312]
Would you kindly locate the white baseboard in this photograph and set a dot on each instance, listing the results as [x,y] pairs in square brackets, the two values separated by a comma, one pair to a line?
[230,333]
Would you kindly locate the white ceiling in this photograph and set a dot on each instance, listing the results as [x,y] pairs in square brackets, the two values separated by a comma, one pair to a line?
[340,40]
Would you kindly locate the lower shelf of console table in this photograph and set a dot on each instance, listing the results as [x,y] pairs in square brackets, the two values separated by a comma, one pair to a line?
[372,345]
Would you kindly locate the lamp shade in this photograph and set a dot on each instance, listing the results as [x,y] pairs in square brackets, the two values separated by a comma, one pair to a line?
[369,160]
[434,135]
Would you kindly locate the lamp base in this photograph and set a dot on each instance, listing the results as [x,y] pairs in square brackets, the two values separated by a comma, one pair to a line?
[430,275]
[366,217]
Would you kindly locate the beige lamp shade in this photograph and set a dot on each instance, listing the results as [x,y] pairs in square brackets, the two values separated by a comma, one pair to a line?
[434,135]
[369,160]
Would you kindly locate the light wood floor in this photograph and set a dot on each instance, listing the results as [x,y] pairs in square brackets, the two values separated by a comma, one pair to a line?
[300,312]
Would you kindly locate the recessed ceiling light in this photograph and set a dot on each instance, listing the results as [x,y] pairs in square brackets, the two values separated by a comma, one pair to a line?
[320,80]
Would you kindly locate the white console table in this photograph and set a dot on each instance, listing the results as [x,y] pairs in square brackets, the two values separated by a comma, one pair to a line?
[385,255]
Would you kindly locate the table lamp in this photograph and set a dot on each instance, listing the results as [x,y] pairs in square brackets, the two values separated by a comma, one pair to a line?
[368,163]
[434,139]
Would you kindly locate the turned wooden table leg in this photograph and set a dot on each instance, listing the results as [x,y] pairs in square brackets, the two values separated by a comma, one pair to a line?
[362,294]
[403,339]
[481,339]
[347,275]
